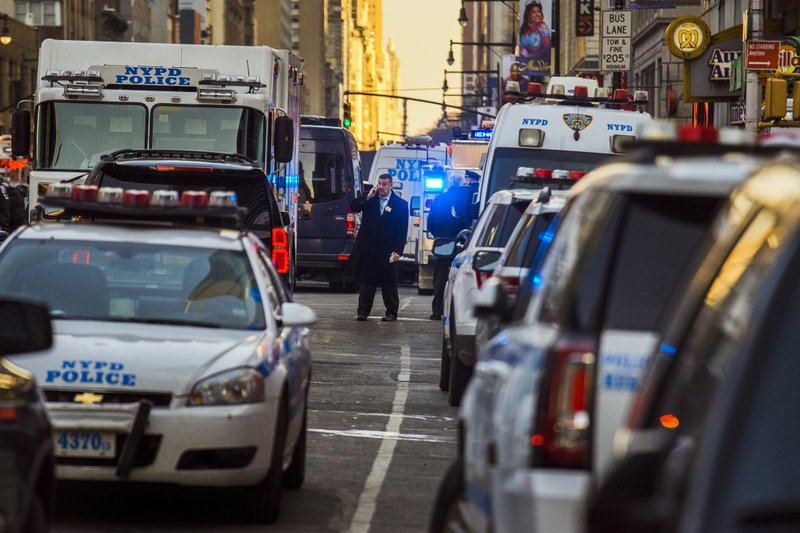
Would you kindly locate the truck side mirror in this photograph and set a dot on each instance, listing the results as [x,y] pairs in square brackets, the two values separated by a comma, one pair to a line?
[26,327]
[284,139]
[21,133]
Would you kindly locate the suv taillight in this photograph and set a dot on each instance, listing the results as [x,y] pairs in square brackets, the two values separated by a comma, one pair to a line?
[510,285]
[480,277]
[562,426]
[350,224]
[280,250]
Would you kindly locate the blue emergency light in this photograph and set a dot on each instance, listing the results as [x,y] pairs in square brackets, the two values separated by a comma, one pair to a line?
[481,133]
[434,184]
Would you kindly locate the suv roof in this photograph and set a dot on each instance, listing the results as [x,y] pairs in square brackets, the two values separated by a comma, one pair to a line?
[509,196]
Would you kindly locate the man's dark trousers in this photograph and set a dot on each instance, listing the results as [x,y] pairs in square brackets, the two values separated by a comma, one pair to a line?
[366,296]
[441,271]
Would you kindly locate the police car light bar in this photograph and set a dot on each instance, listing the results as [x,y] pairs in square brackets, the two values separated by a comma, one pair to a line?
[434,184]
[77,91]
[237,80]
[54,76]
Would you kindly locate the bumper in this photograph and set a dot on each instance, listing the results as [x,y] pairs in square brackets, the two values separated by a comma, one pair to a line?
[316,262]
[170,433]
[539,500]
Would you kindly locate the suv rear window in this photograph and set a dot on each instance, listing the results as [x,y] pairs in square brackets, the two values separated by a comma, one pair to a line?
[522,251]
[326,173]
[501,224]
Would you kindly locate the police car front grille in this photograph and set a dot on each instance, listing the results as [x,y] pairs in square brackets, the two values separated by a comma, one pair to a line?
[159,399]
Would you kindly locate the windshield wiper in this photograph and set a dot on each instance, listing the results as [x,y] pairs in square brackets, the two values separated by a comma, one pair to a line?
[165,321]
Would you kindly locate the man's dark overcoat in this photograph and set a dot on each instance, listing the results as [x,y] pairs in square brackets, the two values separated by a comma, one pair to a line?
[379,236]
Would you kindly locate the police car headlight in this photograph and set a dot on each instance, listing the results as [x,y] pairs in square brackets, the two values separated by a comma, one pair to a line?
[242,385]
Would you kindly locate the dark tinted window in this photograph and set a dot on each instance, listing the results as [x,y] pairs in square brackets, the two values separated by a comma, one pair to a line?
[502,224]
[657,244]
[326,172]
[522,251]
[251,187]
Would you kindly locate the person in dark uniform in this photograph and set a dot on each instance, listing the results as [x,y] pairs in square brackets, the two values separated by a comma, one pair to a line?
[378,247]
[445,221]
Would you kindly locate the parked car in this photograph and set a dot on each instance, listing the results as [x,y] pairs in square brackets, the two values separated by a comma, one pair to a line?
[330,178]
[548,393]
[655,448]
[183,170]
[470,269]
[178,356]
[26,441]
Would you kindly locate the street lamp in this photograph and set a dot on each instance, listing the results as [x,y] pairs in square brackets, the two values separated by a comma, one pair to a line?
[462,16]
[444,84]
[451,58]
[5,33]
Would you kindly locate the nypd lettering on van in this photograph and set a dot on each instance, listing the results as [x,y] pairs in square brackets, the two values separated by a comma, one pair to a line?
[158,76]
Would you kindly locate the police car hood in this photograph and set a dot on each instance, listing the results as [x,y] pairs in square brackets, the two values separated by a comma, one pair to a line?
[138,357]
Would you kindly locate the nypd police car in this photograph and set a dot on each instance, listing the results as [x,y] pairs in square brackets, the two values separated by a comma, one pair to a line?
[178,356]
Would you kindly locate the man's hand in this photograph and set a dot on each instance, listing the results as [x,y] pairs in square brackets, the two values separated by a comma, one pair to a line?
[394,258]
[372,192]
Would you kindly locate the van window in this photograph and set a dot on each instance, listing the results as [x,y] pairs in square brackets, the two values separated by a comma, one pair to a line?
[326,172]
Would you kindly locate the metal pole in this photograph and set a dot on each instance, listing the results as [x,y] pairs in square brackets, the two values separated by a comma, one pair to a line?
[752,89]
[405,118]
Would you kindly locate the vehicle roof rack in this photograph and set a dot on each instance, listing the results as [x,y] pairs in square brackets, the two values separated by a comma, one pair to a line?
[186,155]
[210,217]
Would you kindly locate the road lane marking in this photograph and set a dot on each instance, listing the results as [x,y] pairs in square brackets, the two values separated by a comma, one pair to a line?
[432,418]
[365,510]
[369,434]
[405,303]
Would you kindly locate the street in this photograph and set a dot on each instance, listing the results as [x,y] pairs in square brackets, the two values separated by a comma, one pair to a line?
[380,437]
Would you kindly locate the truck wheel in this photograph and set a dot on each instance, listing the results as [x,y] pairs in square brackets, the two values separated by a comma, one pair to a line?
[444,370]
[262,503]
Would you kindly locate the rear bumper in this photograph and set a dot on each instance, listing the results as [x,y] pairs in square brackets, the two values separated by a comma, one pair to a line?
[318,262]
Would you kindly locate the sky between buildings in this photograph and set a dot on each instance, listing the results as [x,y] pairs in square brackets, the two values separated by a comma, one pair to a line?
[421,31]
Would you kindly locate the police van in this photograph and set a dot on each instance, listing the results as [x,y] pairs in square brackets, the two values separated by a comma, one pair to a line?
[574,126]
[406,162]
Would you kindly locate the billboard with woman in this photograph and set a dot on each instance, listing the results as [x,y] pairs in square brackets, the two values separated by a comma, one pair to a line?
[535,37]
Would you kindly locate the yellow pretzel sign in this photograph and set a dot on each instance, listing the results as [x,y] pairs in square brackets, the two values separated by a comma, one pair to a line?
[687,37]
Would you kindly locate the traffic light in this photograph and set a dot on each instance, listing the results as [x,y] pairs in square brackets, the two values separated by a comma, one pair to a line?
[346,118]
[775,99]
[796,103]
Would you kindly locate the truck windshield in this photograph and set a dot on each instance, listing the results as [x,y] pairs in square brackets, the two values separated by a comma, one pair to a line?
[506,161]
[73,135]
[236,130]
[325,166]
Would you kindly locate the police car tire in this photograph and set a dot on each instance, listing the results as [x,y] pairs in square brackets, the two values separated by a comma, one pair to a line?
[459,377]
[444,370]
[446,509]
[296,473]
[36,520]
[263,502]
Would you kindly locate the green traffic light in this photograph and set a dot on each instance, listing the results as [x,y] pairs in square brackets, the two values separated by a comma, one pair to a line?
[347,122]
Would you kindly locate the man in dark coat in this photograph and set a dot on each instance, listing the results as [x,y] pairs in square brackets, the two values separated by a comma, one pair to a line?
[444,222]
[378,246]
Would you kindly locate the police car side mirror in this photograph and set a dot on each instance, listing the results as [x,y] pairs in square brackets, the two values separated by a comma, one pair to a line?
[21,133]
[284,139]
[491,301]
[26,327]
[295,315]
[461,240]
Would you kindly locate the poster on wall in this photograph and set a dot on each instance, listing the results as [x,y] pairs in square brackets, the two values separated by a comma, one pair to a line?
[535,37]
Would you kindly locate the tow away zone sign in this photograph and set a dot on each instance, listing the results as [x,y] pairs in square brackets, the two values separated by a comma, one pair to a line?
[615,52]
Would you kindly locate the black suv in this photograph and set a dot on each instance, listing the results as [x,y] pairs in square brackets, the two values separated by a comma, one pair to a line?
[183,170]
[26,445]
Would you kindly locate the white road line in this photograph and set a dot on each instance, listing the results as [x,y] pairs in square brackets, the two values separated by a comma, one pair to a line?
[432,418]
[405,303]
[365,510]
[368,434]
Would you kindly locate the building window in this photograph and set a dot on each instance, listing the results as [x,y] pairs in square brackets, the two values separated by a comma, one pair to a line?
[45,13]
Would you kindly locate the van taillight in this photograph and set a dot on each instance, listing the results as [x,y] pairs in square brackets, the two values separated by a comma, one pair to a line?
[350,224]
[280,250]
[562,426]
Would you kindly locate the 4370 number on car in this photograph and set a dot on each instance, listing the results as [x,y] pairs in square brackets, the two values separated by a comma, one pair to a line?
[85,444]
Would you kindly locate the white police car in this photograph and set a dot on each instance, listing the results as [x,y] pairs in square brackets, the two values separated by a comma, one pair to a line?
[177,355]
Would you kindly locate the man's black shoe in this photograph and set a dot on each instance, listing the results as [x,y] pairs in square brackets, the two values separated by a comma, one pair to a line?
[435,316]
[388,319]
[361,318]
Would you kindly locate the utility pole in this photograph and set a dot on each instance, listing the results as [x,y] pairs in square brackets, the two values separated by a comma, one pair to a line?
[752,89]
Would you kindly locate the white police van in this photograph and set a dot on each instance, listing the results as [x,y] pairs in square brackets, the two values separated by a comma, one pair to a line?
[574,126]
[177,356]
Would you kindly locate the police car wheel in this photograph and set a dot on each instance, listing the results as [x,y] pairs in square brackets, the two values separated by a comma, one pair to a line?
[36,520]
[295,475]
[444,369]
[459,376]
[446,514]
[263,502]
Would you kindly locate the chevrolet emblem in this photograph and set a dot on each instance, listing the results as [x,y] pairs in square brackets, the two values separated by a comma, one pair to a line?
[88,398]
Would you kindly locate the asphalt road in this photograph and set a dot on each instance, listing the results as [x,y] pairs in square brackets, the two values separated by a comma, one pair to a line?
[381,436]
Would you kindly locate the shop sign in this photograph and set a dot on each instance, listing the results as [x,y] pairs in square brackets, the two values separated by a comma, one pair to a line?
[788,57]
[687,37]
[720,63]
[737,114]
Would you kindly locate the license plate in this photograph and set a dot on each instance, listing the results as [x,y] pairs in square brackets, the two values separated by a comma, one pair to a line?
[85,444]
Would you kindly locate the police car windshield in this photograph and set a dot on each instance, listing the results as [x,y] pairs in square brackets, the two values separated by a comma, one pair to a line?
[134,282]
[232,130]
[250,186]
[506,161]
[325,165]
[73,135]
